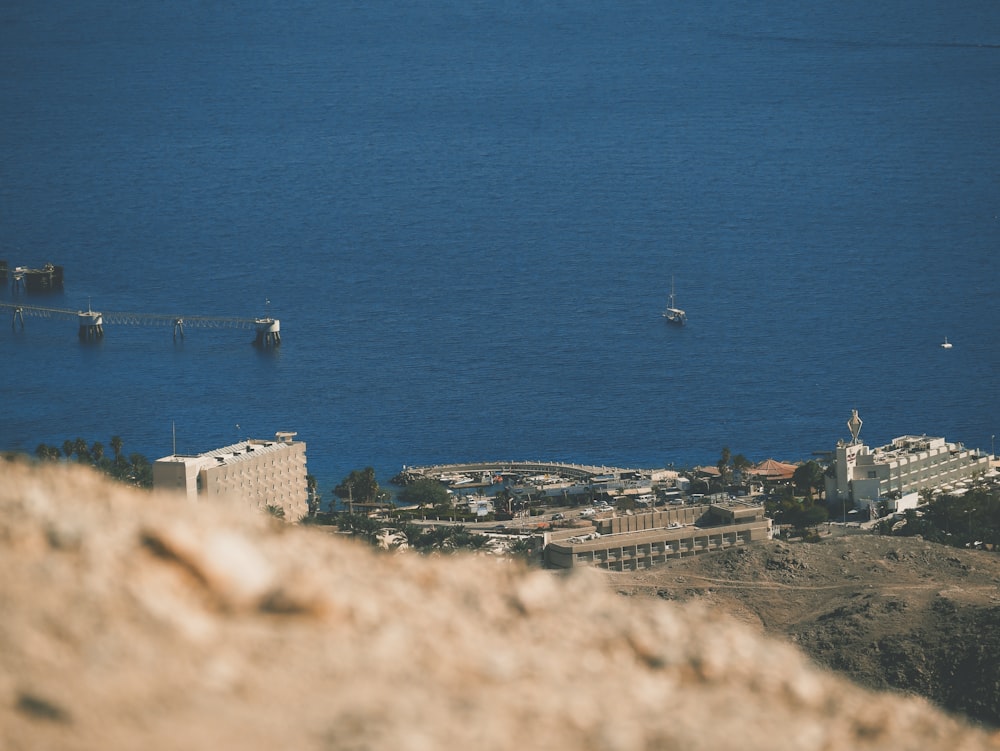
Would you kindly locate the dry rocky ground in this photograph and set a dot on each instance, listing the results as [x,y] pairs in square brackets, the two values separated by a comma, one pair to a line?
[134,621]
[889,612]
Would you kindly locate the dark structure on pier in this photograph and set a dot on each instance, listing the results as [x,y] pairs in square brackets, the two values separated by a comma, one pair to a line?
[49,278]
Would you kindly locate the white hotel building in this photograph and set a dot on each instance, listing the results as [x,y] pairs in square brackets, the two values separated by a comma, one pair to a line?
[260,472]
[863,476]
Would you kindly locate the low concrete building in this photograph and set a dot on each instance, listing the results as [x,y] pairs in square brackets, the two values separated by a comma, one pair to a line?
[627,543]
[261,472]
[903,503]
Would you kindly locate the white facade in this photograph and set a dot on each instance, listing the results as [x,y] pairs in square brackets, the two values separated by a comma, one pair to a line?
[261,472]
[909,464]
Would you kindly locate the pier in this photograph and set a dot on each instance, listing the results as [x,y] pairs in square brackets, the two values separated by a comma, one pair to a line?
[555,469]
[92,323]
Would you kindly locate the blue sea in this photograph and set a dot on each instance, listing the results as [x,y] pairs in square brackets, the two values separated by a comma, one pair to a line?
[468,215]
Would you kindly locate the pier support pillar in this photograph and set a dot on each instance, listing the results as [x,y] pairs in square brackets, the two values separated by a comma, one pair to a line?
[268,332]
[91,325]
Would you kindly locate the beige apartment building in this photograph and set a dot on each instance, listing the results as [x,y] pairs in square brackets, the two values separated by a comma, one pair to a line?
[629,543]
[261,472]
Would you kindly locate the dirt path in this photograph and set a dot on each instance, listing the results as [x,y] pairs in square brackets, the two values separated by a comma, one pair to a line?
[740,584]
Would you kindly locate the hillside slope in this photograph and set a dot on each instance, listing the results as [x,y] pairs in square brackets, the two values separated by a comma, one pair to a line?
[888,612]
[134,621]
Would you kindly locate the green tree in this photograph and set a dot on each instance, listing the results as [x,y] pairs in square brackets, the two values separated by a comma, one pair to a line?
[808,477]
[359,525]
[808,515]
[361,487]
[47,453]
[964,519]
[723,465]
[502,503]
[522,549]
[116,446]
[140,471]
[137,470]
[425,492]
[82,450]
[412,533]
[461,538]
[314,496]
[741,462]
[741,465]
[625,503]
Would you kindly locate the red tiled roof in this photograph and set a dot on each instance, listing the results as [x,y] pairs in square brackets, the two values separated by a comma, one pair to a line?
[773,470]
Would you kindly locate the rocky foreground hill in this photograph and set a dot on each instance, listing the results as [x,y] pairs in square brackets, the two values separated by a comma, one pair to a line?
[132,621]
[889,612]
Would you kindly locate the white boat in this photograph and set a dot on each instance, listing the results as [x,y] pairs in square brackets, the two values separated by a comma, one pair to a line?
[454,478]
[673,314]
[946,344]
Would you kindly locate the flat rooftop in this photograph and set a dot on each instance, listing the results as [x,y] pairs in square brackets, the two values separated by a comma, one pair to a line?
[232,454]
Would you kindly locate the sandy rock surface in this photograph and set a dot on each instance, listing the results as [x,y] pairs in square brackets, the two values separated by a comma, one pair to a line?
[134,621]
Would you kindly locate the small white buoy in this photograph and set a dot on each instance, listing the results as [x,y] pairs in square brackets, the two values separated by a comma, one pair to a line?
[946,344]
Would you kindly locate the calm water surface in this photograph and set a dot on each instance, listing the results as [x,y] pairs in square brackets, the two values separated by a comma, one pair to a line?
[467,217]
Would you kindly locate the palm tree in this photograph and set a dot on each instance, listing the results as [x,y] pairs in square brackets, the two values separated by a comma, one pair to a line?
[97,451]
[723,465]
[312,490]
[68,448]
[116,446]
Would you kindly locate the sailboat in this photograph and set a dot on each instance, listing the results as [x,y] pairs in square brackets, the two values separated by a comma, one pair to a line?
[673,314]
[946,344]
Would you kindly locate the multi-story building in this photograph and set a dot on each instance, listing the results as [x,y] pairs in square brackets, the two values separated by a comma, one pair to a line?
[629,543]
[261,472]
[863,476]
